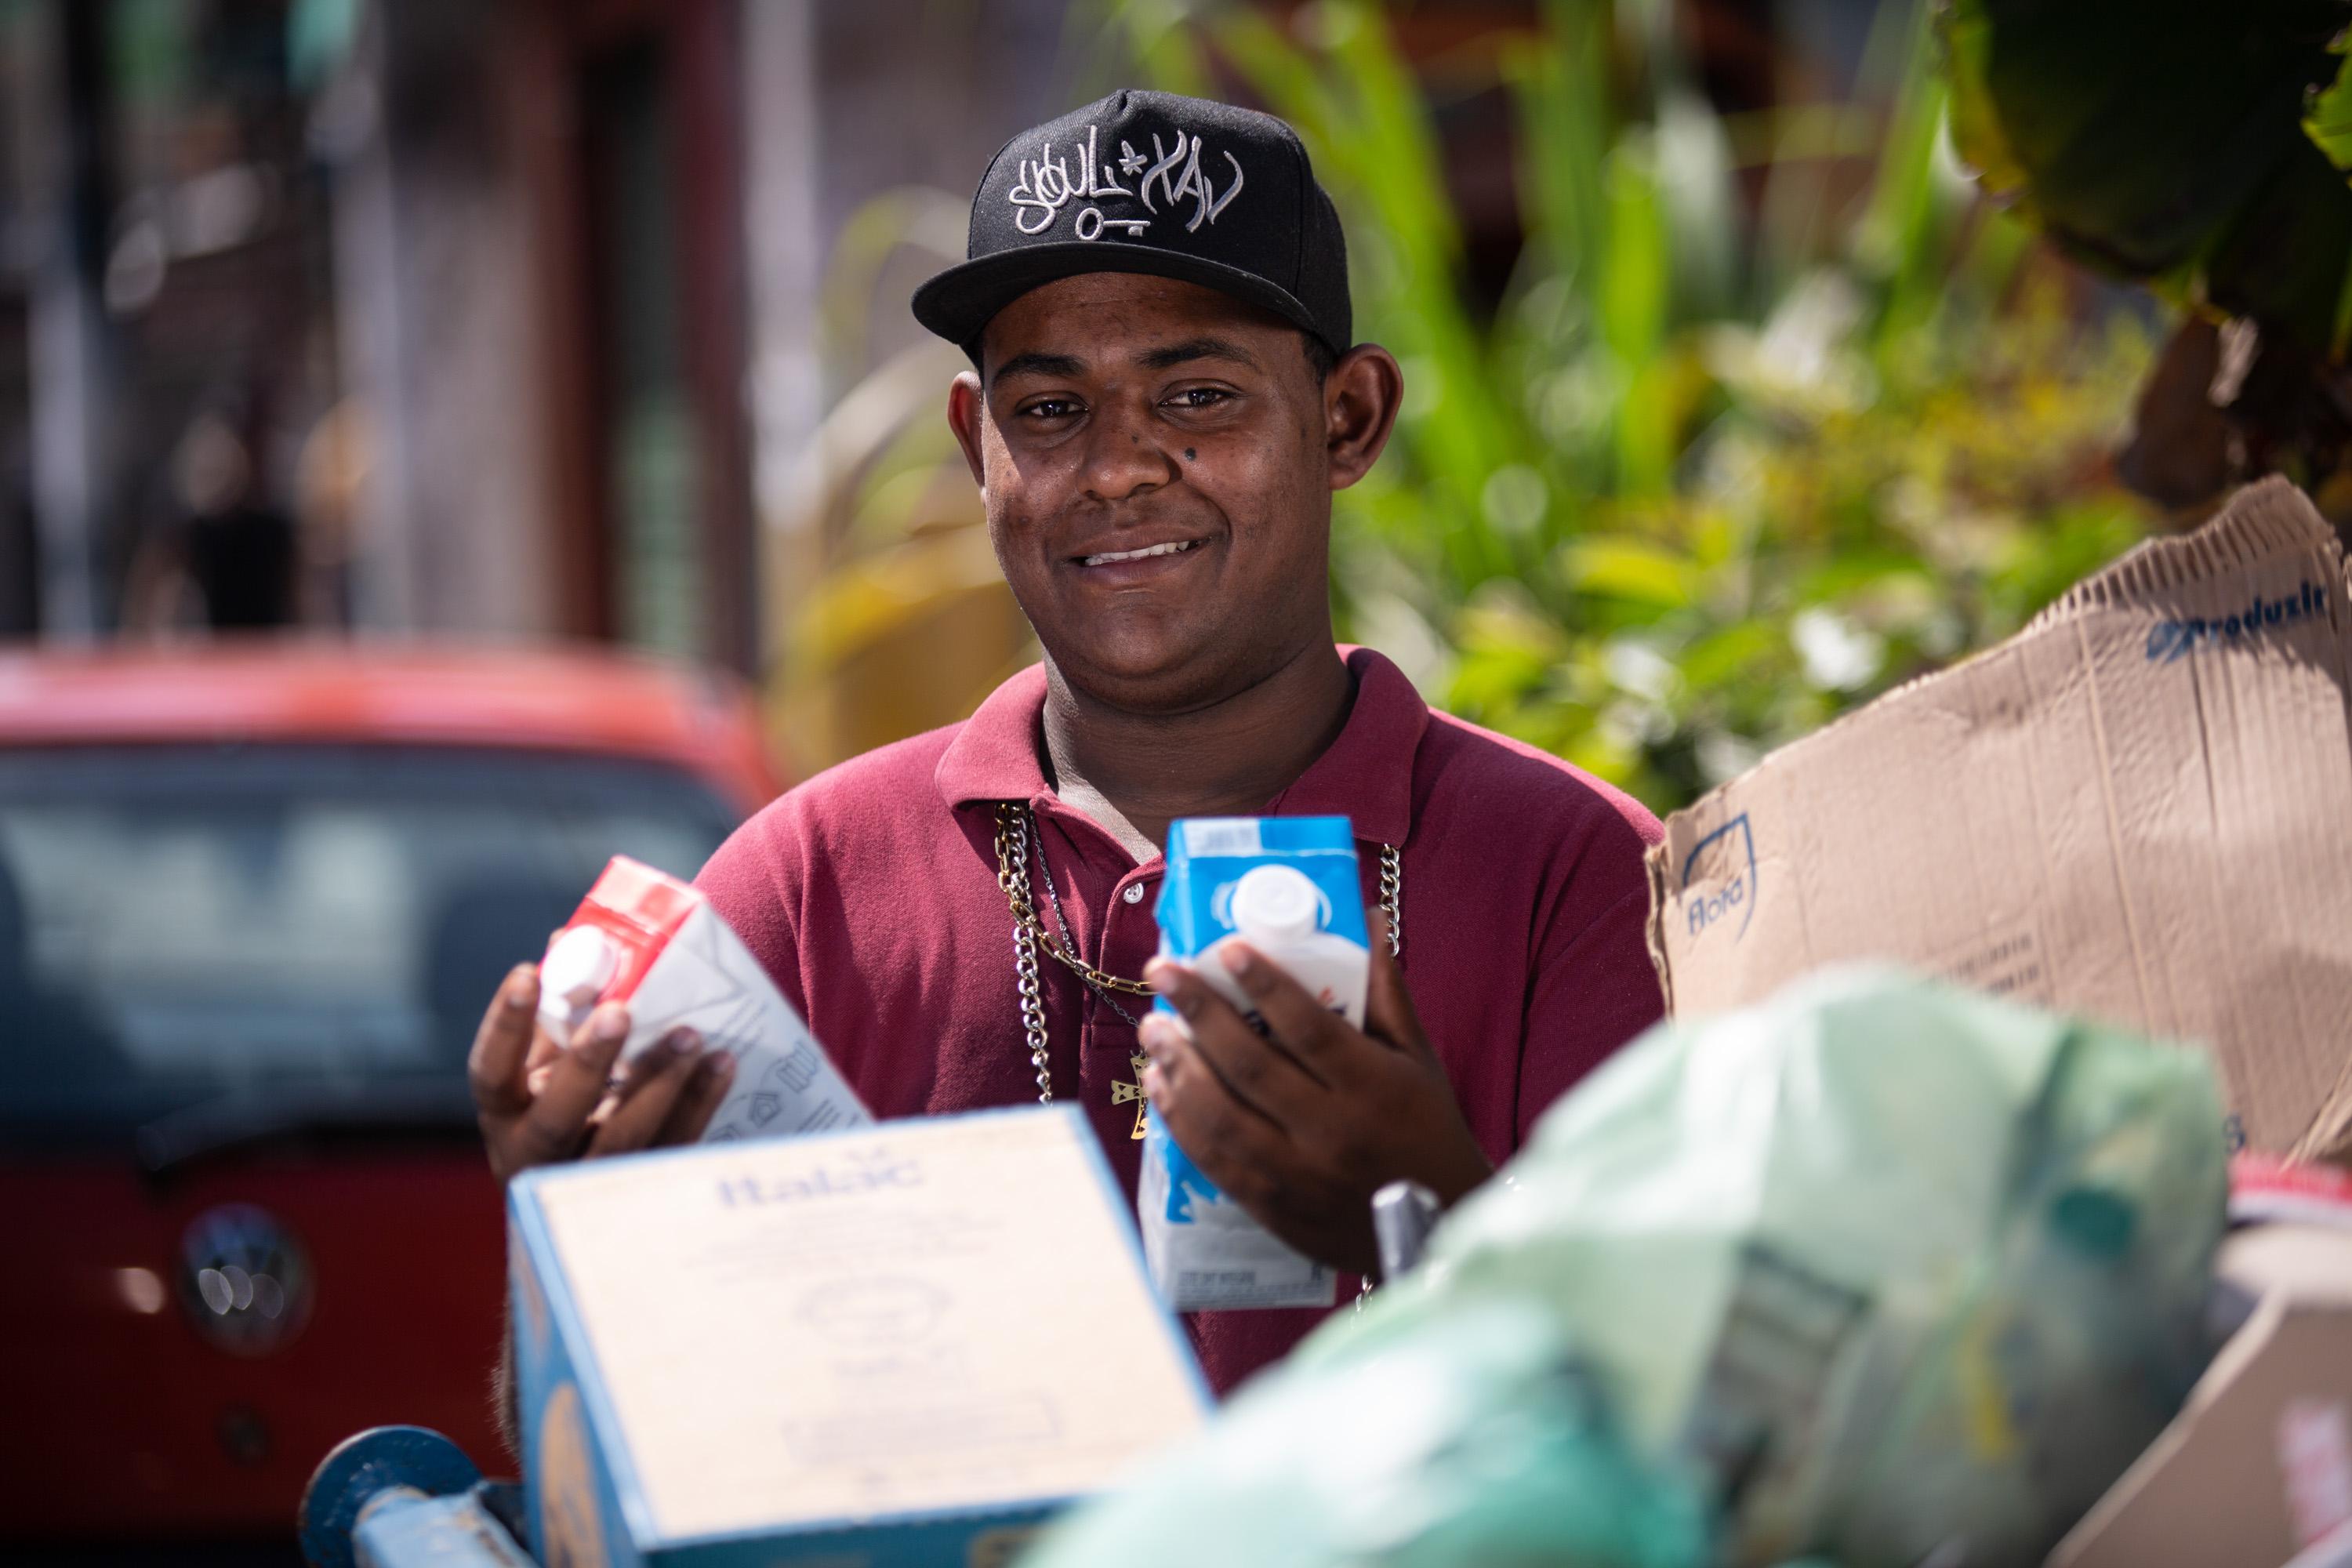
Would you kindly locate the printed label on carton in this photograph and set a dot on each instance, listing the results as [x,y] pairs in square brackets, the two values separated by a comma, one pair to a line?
[1288,886]
[1726,897]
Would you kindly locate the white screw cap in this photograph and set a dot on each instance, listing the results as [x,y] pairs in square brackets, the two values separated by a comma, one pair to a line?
[1276,901]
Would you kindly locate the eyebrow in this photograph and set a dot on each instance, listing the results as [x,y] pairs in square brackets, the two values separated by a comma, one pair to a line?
[1038,364]
[1166,358]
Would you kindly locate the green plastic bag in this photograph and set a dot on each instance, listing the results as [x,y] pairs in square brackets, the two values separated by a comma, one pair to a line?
[1901,1268]
[1474,1438]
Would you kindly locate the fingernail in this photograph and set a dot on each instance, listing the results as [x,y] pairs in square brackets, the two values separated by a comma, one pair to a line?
[723,1067]
[688,1041]
[1161,976]
[1239,960]
[609,1023]
[1154,1084]
[519,987]
[1154,1032]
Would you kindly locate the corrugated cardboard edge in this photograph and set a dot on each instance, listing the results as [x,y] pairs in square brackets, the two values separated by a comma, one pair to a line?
[2329,1142]
[1655,929]
[2257,520]
[2261,522]
[2329,1139]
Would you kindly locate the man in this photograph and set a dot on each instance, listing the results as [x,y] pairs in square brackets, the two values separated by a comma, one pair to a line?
[1164,396]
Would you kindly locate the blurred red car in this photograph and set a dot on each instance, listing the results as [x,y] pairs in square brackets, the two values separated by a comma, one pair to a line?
[252,904]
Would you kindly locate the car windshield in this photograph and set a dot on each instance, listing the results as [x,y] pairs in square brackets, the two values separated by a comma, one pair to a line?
[181,923]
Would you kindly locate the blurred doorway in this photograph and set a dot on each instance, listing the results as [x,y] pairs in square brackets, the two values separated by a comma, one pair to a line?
[659,544]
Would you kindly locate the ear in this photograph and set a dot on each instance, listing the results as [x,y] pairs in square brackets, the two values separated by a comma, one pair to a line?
[967,413]
[1361,398]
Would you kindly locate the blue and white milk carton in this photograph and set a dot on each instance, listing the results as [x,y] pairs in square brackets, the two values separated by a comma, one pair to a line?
[1286,884]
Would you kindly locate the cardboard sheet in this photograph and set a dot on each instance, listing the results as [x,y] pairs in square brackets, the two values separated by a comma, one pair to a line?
[2138,808]
[2259,1467]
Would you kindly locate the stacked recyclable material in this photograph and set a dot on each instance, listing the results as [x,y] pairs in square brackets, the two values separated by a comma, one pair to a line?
[1878,1272]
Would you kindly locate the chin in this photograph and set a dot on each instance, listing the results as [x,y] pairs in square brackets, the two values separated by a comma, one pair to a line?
[1164,674]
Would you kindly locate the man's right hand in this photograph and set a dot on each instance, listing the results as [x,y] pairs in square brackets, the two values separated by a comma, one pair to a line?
[540,1102]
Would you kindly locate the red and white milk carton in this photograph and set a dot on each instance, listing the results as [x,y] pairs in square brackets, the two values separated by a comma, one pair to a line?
[651,942]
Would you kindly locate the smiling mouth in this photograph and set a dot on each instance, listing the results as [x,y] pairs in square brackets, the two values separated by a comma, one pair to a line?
[1112,557]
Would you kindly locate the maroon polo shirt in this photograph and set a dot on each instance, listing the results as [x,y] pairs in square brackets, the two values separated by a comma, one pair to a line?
[870,894]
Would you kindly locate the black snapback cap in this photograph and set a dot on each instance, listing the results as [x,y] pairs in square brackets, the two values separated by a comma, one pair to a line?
[1152,183]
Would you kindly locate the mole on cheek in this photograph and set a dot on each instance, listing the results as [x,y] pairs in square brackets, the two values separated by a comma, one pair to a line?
[1188,454]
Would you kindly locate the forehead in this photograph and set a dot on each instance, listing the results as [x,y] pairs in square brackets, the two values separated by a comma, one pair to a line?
[1098,316]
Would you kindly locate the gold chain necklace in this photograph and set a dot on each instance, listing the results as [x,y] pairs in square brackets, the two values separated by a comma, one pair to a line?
[1014,831]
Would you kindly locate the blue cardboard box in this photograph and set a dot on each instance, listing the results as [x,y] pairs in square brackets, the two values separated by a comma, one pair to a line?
[893,1345]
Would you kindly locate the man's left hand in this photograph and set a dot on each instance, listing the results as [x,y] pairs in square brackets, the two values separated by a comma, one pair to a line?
[1302,1125]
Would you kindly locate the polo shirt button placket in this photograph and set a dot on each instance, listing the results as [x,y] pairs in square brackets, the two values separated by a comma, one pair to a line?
[1116,921]
[1126,1068]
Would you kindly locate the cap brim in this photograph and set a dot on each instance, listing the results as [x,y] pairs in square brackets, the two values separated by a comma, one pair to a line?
[960,302]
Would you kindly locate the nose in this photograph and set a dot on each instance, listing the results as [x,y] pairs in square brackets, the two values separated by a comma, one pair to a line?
[1124,456]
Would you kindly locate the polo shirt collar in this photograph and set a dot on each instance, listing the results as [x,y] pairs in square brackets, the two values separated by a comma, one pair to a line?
[994,755]
[1366,774]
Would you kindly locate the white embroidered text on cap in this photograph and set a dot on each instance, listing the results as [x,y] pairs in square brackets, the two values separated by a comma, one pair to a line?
[1046,185]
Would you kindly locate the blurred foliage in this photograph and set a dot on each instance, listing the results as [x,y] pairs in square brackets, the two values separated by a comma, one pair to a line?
[2129,132]
[895,617]
[2200,150]
[1773,415]
[1753,435]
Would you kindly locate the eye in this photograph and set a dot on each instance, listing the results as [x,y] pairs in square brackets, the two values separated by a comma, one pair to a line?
[1201,397]
[1050,407]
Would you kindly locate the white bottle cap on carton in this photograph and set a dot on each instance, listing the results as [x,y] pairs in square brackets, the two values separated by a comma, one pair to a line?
[1276,901]
[578,966]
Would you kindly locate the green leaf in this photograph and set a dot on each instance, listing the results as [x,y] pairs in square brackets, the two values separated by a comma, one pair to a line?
[1741,648]
[1559,85]
[1903,233]
[1692,169]
[2328,120]
[1630,568]
[1965,32]
[1634,267]
[2137,128]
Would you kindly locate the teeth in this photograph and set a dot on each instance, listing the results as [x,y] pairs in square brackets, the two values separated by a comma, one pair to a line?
[1110,555]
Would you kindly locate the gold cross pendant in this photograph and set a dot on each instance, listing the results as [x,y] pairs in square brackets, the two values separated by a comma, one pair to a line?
[1120,1093]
